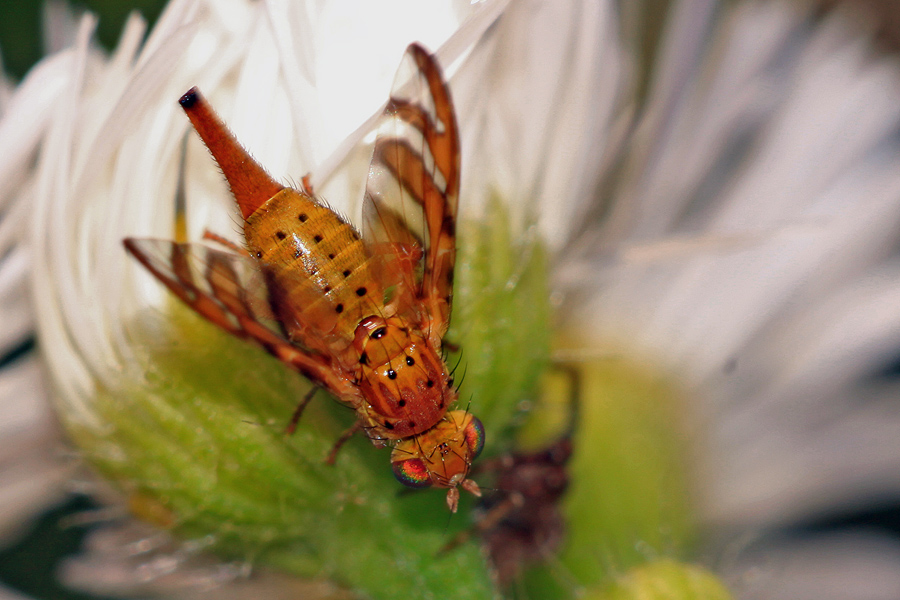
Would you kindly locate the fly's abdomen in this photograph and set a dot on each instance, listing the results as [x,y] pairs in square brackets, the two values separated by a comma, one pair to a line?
[317,267]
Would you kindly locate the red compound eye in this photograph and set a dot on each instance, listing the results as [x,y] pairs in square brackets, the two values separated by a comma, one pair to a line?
[412,473]
[475,438]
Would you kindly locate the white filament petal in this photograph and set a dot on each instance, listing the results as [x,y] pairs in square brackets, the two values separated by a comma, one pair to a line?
[746,250]
[828,567]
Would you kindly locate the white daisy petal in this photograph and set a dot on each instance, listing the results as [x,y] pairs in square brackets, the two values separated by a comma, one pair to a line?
[825,567]
[749,236]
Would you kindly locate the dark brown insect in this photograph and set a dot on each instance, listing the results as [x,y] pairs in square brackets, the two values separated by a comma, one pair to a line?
[522,524]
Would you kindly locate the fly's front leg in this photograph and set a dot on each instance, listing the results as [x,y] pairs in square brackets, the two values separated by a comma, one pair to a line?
[307,186]
[215,237]
[298,412]
[332,456]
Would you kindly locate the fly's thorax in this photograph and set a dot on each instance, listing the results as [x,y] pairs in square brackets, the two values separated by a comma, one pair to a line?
[318,270]
[401,376]
[440,457]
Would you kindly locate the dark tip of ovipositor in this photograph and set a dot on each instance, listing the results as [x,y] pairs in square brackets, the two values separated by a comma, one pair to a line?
[190,98]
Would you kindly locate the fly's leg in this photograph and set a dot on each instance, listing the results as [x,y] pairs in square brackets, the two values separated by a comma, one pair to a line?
[341,441]
[306,185]
[298,412]
[215,237]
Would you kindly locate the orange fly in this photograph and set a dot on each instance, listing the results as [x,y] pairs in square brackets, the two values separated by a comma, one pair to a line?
[361,315]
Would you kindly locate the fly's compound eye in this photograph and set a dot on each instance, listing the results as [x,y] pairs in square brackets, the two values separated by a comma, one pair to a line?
[412,473]
[474,438]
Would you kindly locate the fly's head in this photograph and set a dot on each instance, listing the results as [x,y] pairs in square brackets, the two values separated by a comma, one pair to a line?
[441,457]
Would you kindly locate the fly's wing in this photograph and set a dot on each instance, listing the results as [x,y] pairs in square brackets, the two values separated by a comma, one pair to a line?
[409,212]
[228,290]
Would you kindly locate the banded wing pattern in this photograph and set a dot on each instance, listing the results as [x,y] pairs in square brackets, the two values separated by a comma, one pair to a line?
[413,189]
[228,290]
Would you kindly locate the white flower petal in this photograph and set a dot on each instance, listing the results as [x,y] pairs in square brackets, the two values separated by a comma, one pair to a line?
[825,567]
[543,113]
[31,467]
[25,117]
[15,302]
[749,233]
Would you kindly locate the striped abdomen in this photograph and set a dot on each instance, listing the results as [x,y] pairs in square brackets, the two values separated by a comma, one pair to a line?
[319,272]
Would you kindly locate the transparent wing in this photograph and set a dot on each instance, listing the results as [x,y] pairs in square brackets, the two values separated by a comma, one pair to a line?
[229,290]
[409,211]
